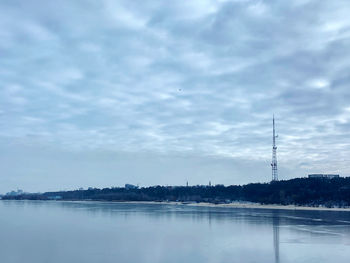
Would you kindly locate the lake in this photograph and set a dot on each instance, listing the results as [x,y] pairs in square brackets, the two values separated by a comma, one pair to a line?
[52,231]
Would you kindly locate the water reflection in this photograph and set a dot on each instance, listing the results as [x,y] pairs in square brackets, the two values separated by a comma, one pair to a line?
[162,233]
[276,237]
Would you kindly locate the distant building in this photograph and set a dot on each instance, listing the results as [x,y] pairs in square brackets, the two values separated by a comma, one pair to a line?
[327,176]
[131,186]
[15,193]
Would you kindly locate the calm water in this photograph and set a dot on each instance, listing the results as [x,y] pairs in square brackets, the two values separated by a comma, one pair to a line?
[108,232]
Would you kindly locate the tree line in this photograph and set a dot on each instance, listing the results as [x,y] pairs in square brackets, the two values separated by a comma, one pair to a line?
[300,191]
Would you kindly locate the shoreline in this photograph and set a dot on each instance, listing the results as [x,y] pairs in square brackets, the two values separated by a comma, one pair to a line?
[238,205]
[270,206]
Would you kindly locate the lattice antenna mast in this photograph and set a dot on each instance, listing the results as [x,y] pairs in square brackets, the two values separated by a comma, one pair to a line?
[274,152]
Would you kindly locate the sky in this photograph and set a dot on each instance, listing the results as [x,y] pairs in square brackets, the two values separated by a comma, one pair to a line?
[107,92]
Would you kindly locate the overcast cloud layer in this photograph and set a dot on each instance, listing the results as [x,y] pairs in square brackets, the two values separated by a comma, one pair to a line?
[102,93]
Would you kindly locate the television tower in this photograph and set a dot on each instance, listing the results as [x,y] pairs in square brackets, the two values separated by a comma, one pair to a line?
[274,152]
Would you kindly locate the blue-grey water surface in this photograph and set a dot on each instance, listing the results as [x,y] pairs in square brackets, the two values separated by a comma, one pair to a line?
[52,232]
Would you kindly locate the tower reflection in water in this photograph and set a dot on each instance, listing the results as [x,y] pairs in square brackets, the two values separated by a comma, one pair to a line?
[276,236]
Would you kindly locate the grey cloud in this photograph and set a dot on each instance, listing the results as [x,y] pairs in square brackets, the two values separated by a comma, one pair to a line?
[188,78]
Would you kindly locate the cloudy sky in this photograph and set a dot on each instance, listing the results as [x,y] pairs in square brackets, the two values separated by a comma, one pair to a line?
[102,93]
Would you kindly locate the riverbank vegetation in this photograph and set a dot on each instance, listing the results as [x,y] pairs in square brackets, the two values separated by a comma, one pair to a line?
[300,191]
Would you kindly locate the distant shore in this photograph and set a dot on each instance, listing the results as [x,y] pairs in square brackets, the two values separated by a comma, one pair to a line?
[246,205]
[303,193]
[237,204]
[269,206]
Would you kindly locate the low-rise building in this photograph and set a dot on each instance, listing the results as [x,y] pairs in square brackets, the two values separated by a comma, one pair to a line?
[131,186]
[327,176]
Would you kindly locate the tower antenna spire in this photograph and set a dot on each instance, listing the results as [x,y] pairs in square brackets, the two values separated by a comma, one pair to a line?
[274,152]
